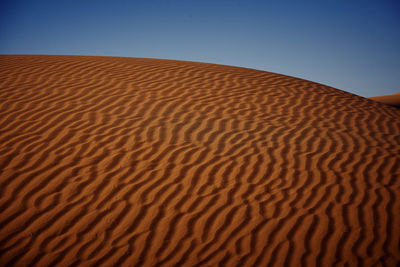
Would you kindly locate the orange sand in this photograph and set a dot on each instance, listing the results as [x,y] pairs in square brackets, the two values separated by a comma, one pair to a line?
[393,100]
[144,162]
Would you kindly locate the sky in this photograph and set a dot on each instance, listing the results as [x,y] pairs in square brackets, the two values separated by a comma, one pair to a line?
[350,45]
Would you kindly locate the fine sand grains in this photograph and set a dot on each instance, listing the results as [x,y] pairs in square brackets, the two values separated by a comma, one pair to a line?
[145,162]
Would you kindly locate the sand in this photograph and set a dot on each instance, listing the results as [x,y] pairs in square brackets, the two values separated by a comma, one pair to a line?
[393,100]
[142,162]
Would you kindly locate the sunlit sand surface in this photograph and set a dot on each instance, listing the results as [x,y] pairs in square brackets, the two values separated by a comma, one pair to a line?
[142,162]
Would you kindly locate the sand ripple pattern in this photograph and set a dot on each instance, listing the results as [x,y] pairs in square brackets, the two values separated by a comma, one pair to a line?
[141,162]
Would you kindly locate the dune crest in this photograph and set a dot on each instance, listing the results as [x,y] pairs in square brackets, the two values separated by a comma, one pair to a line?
[145,162]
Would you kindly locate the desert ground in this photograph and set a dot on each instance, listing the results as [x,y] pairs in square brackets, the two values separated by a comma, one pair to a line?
[108,161]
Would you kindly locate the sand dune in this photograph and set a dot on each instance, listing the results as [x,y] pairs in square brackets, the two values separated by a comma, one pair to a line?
[144,162]
[393,100]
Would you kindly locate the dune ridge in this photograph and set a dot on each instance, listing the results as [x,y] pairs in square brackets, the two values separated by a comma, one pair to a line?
[145,162]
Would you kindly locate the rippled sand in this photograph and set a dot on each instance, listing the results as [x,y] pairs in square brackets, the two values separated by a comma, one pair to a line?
[145,162]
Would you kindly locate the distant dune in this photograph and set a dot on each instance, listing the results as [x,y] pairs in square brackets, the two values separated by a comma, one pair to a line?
[142,162]
[393,100]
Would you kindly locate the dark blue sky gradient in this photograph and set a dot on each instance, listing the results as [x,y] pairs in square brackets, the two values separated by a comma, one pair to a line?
[350,45]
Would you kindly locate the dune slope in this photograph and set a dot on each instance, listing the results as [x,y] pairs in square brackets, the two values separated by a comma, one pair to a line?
[144,162]
[393,100]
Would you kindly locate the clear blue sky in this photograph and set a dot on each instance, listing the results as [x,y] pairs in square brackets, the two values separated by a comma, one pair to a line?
[350,45]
